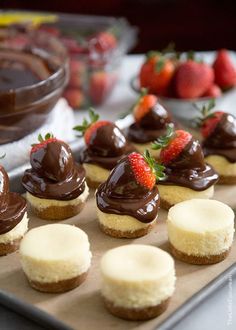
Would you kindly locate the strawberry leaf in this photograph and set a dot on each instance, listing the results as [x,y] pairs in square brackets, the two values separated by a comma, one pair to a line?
[159,65]
[157,168]
[86,124]
[164,140]
[206,112]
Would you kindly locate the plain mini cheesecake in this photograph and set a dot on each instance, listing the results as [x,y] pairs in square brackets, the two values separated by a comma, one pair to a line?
[105,146]
[13,216]
[137,281]
[56,186]
[128,201]
[200,231]
[151,120]
[219,142]
[55,257]
[188,176]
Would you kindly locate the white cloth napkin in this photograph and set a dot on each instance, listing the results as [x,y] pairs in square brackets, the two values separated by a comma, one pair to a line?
[60,123]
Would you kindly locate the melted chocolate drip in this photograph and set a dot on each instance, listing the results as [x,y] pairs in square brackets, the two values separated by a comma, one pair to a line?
[222,141]
[189,169]
[54,174]
[151,126]
[107,146]
[122,195]
[12,205]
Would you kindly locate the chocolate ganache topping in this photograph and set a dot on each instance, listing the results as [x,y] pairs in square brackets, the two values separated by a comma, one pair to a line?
[54,174]
[122,195]
[12,205]
[106,146]
[151,126]
[222,141]
[190,170]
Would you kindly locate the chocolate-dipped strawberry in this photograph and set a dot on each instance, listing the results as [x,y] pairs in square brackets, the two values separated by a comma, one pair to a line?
[105,145]
[187,174]
[128,201]
[56,187]
[151,120]
[218,130]
[13,217]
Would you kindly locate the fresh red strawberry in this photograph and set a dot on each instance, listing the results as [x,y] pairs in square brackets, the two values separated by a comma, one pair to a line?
[103,42]
[210,123]
[143,106]
[49,138]
[77,73]
[156,73]
[213,91]
[145,169]
[171,144]
[193,79]
[74,97]
[87,129]
[225,71]
[100,85]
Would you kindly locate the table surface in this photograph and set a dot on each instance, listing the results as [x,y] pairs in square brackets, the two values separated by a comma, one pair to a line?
[216,312]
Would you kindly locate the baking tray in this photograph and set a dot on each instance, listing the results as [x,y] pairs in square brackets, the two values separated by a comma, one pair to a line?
[82,308]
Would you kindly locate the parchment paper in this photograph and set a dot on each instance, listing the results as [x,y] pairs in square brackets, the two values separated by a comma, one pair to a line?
[82,308]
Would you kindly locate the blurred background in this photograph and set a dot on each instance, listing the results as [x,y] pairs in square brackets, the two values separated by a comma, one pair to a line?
[197,25]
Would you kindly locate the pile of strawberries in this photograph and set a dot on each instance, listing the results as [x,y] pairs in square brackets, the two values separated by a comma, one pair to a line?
[89,82]
[187,79]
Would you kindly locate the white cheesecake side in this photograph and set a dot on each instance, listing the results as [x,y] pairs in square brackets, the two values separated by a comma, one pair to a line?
[96,173]
[17,232]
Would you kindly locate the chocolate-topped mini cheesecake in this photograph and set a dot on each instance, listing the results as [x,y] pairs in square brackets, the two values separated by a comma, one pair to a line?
[128,201]
[56,186]
[13,216]
[219,143]
[105,146]
[187,174]
[151,120]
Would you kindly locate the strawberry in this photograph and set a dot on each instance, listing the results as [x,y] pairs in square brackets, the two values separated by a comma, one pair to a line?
[144,104]
[51,158]
[77,73]
[213,91]
[100,85]
[156,73]
[172,144]
[88,129]
[102,42]
[193,79]
[74,97]
[225,71]
[208,119]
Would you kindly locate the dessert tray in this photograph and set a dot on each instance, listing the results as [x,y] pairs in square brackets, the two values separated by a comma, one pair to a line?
[82,308]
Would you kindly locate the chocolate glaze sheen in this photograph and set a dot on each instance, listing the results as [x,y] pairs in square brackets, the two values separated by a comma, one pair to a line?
[151,126]
[190,170]
[12,205]
[107,145]
[122,195]
[54,174]
[222,141]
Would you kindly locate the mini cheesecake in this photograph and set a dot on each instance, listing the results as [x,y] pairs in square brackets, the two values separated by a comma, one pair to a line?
[187,174]
[151,120]
[105,146]
[200,231]
[219,145]
[137,281]
[55,257]
[55,185]
[13,216]
[128,201]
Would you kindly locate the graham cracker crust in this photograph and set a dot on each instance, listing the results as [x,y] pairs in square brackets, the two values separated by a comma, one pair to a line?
[127,234]
[229,180]
[136,314]
[56,213]
[60,286]
[198,260]
[7,248]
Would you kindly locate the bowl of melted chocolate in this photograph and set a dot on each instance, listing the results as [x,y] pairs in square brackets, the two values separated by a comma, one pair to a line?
[33,75]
